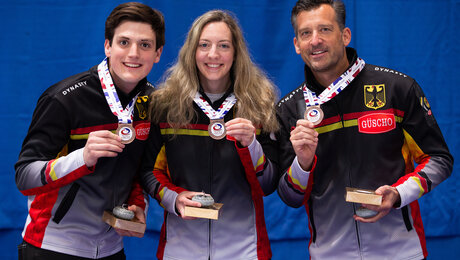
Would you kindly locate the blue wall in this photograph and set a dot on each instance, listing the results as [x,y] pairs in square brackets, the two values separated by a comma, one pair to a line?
[44,41]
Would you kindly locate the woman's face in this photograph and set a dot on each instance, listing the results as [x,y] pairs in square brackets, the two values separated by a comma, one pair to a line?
[214,57]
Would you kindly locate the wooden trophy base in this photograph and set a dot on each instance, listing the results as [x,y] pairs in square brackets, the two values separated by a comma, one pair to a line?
[210,212]
[130,225]
[363,196]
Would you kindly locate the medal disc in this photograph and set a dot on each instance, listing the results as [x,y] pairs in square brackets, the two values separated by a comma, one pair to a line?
[126,132]
[216,129]
[314,114]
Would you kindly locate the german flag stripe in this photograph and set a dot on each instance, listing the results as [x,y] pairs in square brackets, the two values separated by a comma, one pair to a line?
[295,182]
[191,129]
[83,132]
[161,195]
[50,173]
[351,120]
[260,164]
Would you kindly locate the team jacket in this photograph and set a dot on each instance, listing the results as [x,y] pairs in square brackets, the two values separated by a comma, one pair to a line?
[237,177]
[66,199]
[371,135]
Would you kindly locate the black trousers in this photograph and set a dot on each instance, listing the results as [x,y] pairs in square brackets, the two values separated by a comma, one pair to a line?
[27,251]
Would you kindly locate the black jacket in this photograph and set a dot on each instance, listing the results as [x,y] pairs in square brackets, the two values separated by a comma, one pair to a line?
[371,135]
[66,198]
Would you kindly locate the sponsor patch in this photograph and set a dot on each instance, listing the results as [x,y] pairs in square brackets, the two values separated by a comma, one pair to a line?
[426,106]
[142,131]
[376,123]
[374,96]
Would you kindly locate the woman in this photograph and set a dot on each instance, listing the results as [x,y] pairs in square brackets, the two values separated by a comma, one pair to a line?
[210,109]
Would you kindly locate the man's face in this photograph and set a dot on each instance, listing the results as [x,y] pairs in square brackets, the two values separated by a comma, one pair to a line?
[320,41]
[132,54]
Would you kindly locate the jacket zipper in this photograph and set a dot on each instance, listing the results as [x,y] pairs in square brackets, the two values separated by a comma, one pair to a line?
[210,192]
[340,112]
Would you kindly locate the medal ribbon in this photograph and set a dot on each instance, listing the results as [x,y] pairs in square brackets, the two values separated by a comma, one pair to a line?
[336,87]
[209,111]
[125,116]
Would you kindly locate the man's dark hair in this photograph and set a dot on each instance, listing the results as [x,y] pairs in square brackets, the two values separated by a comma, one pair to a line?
[136,12]
[307,5]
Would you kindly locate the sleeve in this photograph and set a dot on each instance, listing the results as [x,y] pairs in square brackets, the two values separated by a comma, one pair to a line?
[44,163]
[261,171]
[295,184]
[155,176]
[264,156]
[424,145]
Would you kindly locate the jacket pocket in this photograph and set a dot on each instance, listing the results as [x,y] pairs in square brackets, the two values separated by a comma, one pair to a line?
[66,203]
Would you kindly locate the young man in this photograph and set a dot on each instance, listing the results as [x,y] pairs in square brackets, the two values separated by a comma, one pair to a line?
[364,127]
[85,142]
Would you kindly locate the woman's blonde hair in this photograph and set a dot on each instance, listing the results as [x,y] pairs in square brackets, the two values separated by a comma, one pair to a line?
[255,93]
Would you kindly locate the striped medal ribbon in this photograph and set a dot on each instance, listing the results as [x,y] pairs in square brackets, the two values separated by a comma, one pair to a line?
[314,113]
[216,126]
[125,115]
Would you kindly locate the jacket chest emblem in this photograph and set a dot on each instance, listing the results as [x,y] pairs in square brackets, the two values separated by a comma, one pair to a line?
[142,106]
[374,96]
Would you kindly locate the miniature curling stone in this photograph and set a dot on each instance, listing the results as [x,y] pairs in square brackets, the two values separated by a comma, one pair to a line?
[365,213]
[123,212]
[205,199]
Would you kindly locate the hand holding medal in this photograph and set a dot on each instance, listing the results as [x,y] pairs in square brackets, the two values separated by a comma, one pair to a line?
[101,143]
[304,140]
[242,130]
